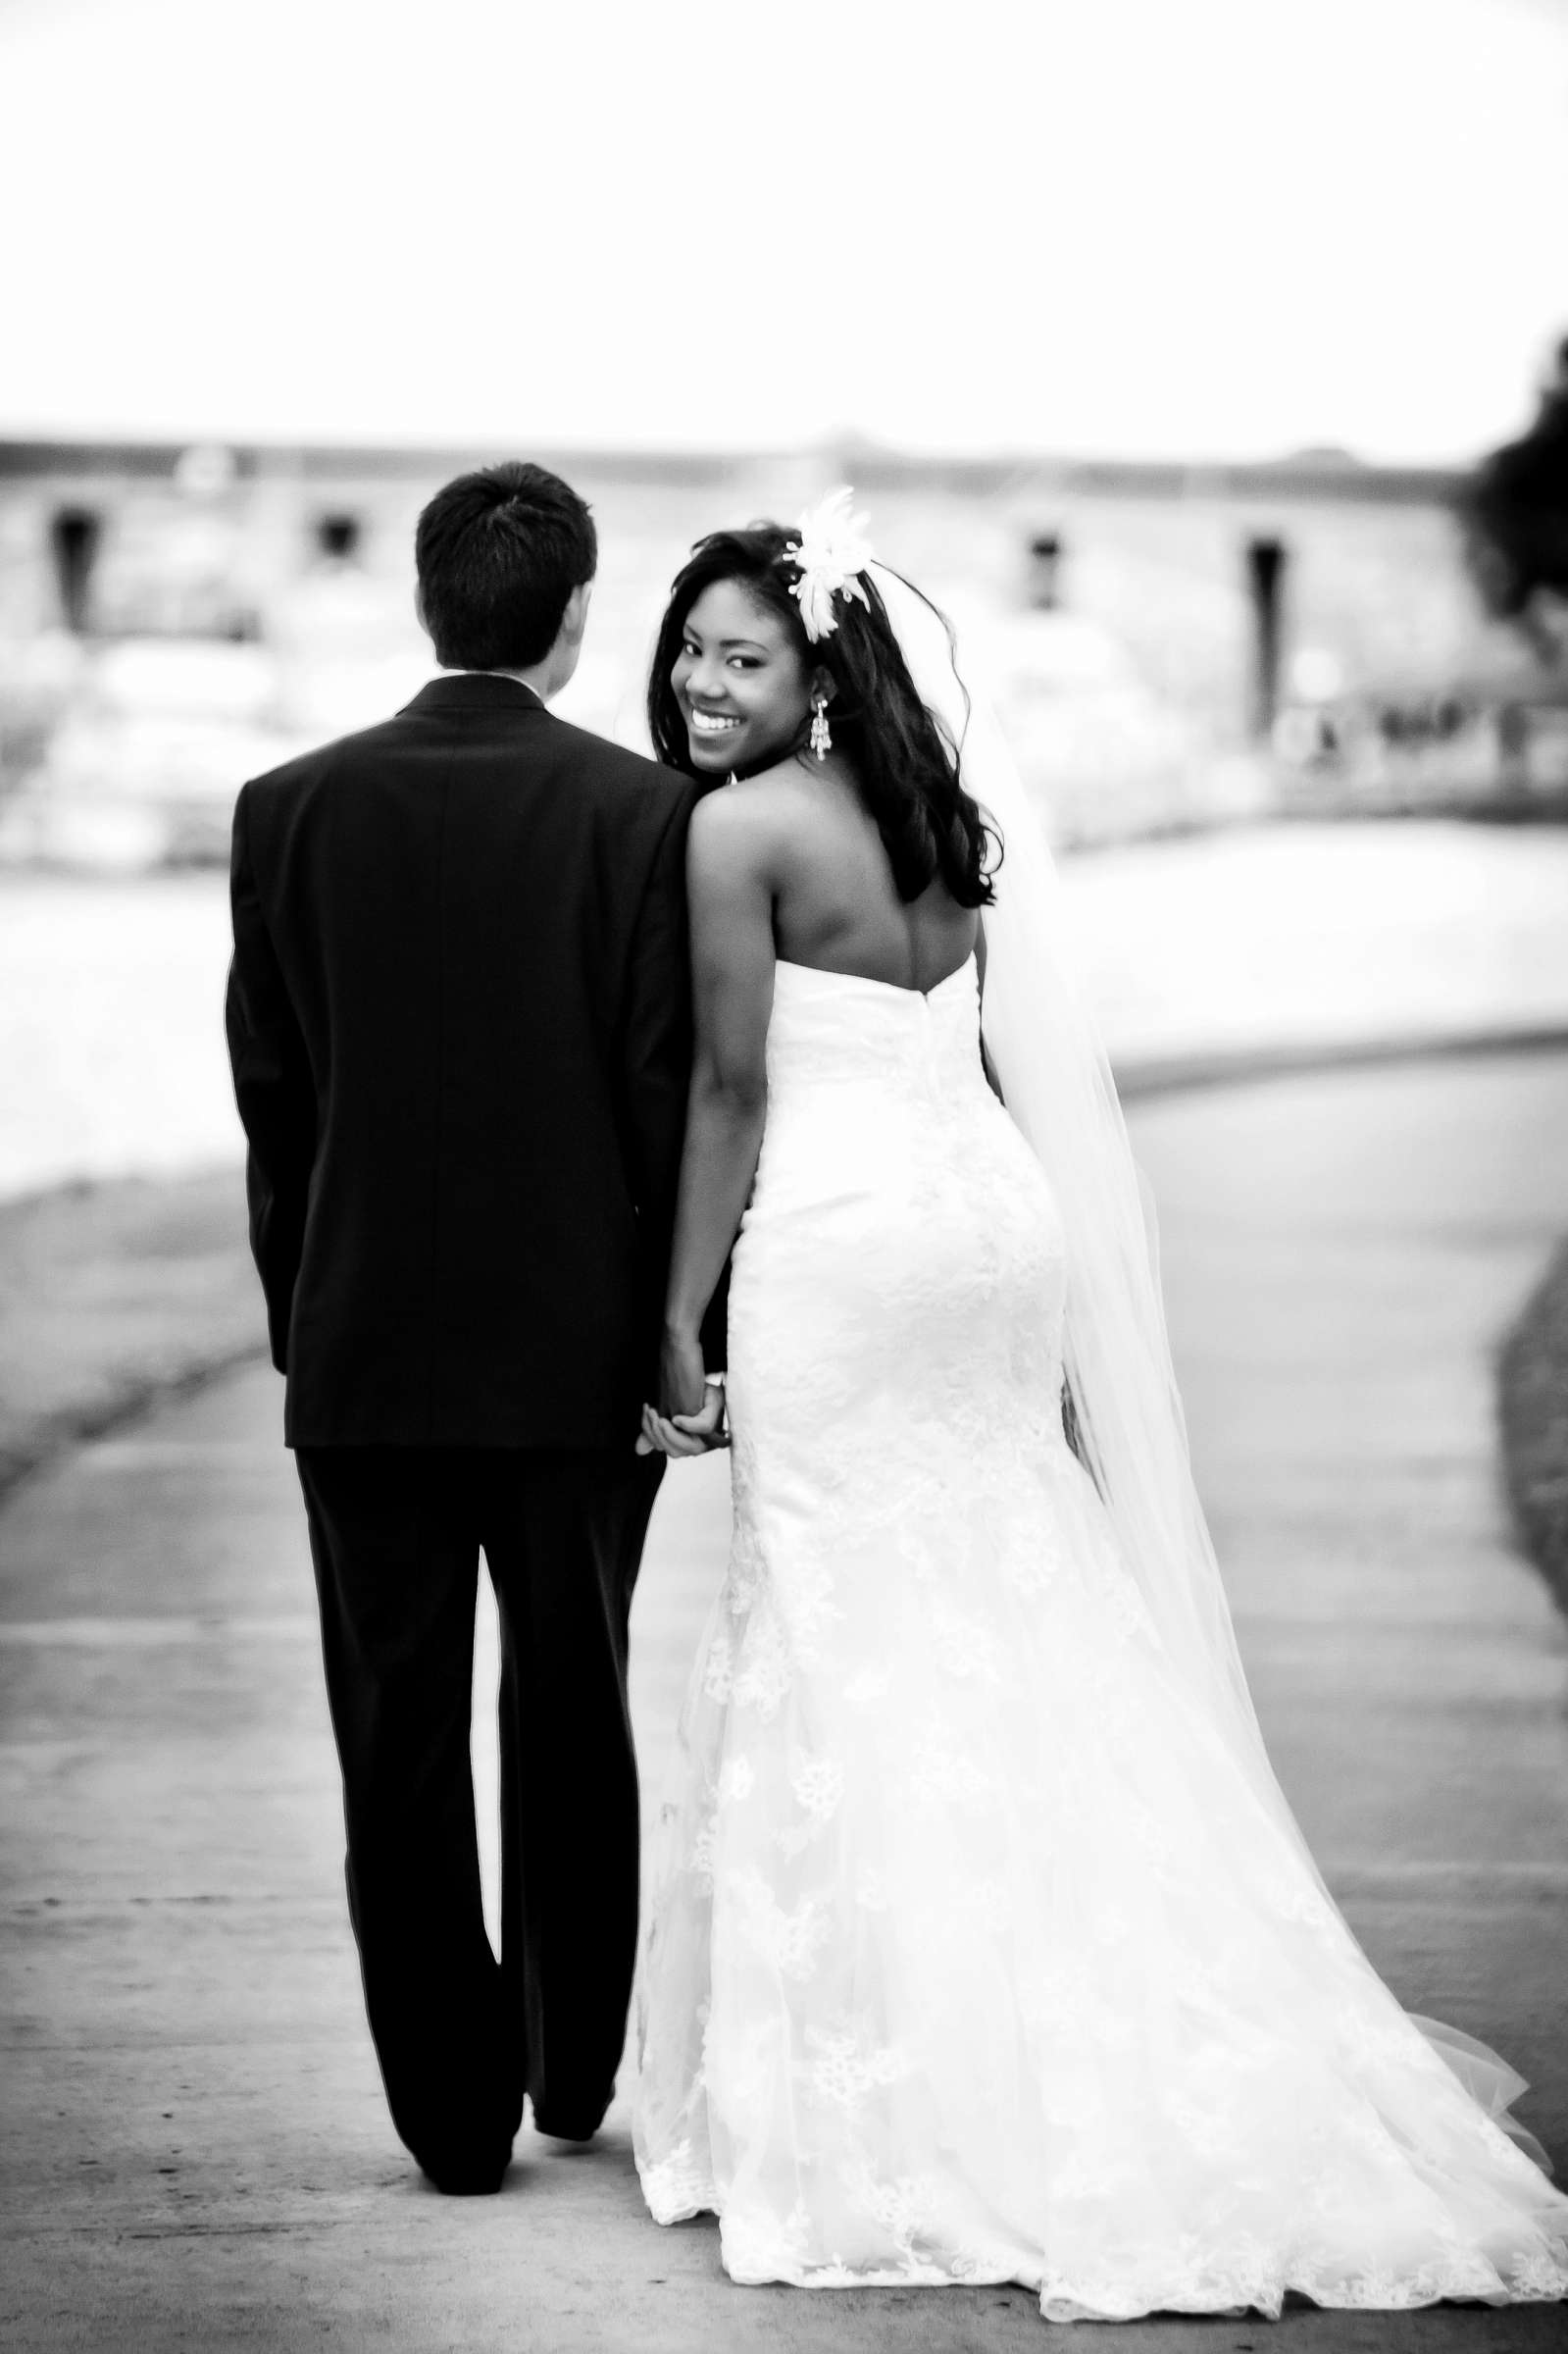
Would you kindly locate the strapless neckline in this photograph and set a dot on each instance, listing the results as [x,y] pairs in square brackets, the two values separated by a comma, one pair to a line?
[870,980]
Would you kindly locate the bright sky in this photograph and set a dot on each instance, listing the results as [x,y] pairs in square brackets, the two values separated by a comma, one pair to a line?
[1131,226]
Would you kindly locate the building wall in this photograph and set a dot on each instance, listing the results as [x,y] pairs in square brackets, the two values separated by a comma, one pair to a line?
[1136,693]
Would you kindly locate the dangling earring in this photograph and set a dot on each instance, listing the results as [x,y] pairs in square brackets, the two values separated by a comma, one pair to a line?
[821,732]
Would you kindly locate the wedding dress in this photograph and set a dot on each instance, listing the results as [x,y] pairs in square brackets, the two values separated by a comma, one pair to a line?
[973,1952]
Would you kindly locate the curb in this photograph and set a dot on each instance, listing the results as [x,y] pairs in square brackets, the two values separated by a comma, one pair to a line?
[1253,1067]
[115,1295]
[1532,1390]
[63,1433]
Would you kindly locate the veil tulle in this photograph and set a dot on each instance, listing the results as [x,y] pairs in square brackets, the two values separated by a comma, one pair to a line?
[1057,1086]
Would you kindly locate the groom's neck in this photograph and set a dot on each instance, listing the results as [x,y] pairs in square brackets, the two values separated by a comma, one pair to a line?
[539,678]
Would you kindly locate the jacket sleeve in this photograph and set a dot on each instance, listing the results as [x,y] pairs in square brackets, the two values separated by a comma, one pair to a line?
[273,1090]
[656,1070]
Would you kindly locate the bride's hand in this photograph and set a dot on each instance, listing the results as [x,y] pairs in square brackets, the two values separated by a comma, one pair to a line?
[710,1425]
[692,1422]
[681,1374]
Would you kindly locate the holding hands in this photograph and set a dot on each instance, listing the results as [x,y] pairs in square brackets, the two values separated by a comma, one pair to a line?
[692,1419]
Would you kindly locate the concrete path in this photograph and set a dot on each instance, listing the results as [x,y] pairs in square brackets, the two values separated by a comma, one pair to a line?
[195,2147]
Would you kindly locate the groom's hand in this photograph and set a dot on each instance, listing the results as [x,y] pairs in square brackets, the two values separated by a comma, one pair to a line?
[700,1433]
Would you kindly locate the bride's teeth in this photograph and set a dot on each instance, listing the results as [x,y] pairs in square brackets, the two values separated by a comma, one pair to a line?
[712,721]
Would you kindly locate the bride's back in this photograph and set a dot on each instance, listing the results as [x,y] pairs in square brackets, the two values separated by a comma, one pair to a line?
[835,906]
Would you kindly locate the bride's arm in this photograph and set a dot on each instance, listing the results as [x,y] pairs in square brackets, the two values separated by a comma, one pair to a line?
[730,886]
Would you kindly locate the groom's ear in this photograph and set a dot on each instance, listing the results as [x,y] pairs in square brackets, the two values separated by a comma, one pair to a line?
[575,616]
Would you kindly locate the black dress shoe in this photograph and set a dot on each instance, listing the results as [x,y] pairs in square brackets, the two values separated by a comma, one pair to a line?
[467,2180]
[568,2127]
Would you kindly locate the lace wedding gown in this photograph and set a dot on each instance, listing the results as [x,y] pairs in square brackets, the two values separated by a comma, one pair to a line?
[972,1956]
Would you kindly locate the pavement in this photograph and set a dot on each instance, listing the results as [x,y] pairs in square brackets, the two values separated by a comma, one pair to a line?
[195,2150]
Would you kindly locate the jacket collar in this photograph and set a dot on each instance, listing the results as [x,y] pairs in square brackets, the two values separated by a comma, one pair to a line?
[475,691]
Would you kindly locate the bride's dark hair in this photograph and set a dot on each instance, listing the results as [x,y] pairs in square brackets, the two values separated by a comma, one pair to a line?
[904,765]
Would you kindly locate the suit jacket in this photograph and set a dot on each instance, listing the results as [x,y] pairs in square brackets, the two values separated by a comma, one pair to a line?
[459,1020]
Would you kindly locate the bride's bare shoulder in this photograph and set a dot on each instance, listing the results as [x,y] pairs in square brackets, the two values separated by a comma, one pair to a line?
[752,800]
[748,817]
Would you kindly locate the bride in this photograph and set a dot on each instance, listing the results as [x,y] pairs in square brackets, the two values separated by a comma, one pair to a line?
[981,1944]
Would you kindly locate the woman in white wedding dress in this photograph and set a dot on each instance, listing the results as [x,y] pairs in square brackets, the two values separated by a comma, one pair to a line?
[980,1944]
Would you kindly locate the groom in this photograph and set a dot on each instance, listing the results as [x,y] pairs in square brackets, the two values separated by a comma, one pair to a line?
[458,1017]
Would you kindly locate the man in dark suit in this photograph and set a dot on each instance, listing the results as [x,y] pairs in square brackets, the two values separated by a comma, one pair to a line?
[459,1022]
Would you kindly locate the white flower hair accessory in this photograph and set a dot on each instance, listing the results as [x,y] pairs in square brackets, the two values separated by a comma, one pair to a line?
[832,550]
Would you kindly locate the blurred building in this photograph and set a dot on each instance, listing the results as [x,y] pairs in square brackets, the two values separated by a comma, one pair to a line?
[1168,645]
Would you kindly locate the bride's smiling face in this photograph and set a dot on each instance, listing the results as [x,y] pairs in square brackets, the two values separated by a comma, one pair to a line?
[743,690]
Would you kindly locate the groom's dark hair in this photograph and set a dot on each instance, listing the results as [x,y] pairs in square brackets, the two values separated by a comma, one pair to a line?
[498,554]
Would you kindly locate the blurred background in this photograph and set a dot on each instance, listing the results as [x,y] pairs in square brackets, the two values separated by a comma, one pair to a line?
[1208,363]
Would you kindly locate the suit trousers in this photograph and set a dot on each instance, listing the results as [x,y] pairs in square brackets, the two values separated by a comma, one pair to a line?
[396,1534]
